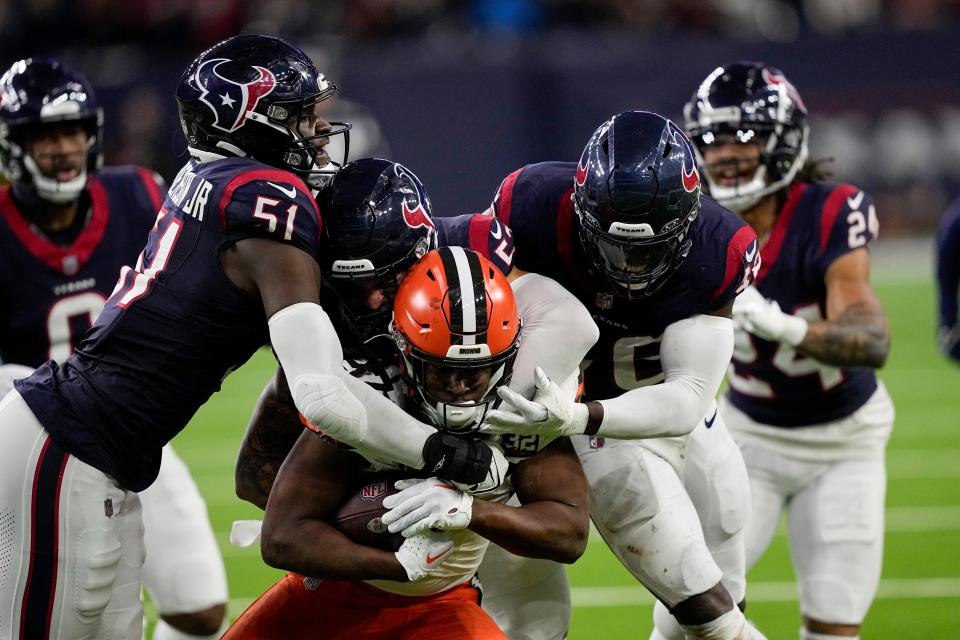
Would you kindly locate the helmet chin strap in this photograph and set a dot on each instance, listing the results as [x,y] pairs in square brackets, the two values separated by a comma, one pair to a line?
[53,190]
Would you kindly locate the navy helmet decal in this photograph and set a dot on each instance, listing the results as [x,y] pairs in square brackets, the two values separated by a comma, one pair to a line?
[232,101]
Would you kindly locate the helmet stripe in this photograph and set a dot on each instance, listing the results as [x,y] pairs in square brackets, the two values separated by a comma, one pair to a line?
[468,316]
[479,296]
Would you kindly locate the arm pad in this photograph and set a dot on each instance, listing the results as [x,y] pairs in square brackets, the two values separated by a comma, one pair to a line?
[551,316]
[694,354]
[342,406]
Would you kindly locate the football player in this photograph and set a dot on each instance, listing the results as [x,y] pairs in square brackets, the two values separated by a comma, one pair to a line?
[948,280]
[67,225]
[627,232]
[804,403]
[377,219]
[456,327]
[231,263]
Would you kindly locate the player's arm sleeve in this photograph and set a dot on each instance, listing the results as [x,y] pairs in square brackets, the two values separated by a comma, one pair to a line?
[848,221]
[502,205]
[694,353]
[345,408]
[557,331]
[741,265]
[948,281]
[492,239]
[273,204]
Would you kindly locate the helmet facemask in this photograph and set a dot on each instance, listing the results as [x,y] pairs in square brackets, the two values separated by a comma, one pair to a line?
[749,103]
[298,153]
[426,374]
[777,158]
[634,262]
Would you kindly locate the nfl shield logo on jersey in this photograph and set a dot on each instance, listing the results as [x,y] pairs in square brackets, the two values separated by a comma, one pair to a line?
[373,490]
[108,507]
[604,300]
[70,265]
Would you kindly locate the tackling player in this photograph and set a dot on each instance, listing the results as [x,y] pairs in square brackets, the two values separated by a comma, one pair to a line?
[231,262]
[377,214]
[67,225]
[627,232]
[804,403]
[457,331]
[948,280]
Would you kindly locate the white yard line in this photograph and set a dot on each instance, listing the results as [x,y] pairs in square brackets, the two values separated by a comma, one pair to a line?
[899,589]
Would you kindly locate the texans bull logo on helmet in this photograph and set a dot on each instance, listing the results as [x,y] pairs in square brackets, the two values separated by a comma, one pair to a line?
[416,216]
[776,78]
[231,101]
[691,179]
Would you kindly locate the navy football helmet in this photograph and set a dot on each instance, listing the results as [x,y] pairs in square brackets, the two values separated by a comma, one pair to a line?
[39,92]
[376,224]
[246,96]
[745,102]
[636,193]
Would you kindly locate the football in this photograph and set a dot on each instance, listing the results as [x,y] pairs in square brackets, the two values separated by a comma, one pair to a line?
[359,517]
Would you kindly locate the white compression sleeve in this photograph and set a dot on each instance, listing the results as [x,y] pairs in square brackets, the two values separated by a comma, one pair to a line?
[310,354]
[305,341]
[557,331]
[346,408]
[694,354]
[392,433]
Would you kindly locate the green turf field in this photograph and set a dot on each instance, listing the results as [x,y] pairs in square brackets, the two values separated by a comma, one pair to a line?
[920,592]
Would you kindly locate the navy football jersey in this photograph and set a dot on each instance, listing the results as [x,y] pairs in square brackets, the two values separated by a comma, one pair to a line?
[536,202]
[175,325]
[481,232]
[770,381]
[50,294]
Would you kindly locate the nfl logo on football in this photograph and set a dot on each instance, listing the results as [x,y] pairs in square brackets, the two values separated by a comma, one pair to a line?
[604,300]
[373,490]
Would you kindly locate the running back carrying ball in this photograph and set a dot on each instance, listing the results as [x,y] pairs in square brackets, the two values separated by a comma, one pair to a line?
[359,516]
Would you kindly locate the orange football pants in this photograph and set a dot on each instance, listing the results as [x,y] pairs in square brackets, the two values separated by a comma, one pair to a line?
[342,610]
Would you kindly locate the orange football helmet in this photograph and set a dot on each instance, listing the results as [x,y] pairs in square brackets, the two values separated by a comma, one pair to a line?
[456,327]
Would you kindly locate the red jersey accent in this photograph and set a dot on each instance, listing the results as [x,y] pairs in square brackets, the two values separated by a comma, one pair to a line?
[53,255]
[831,208]
[770,250]
[736,250]
[504,197]
[156,198]
[275,175]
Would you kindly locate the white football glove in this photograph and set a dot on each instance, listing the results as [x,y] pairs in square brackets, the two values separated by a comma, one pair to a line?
[325,401]
[424,553]
[427,504]
[551,413]
[763,318]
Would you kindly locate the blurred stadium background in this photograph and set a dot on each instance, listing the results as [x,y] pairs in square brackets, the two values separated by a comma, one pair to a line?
[465,91]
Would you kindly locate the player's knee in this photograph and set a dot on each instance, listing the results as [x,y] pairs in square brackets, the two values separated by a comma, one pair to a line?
[198,624]
[729,486]
[99,552]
